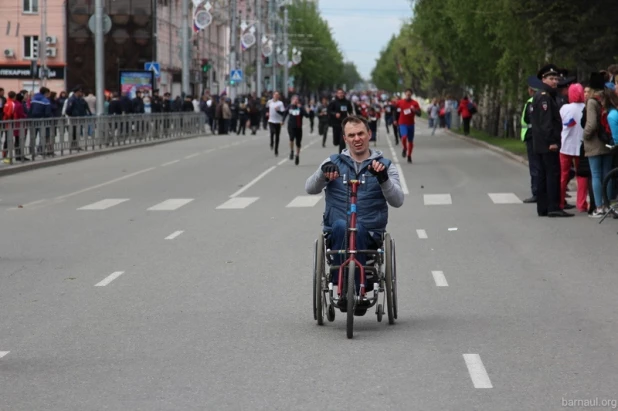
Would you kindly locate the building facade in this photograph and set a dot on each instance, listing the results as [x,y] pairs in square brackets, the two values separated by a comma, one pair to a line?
[21,23]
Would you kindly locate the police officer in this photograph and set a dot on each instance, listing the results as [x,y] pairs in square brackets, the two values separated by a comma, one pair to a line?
[565,81]
[546,138]
[534,84]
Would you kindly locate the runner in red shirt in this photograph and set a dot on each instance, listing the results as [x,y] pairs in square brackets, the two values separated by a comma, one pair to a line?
[407,108]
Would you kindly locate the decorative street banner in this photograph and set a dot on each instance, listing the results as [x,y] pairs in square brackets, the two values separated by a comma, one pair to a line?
[248,39]
[201,15]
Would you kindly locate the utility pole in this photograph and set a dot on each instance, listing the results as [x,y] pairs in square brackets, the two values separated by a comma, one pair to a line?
[285,51]
[258,59]
[43,44]
[99,56]
[233,47]
[185,48]
[273,56]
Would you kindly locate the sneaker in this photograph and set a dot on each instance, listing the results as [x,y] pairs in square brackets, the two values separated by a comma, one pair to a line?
[410,159]
[403,153]
[296,160]
[597,214]
[291,155]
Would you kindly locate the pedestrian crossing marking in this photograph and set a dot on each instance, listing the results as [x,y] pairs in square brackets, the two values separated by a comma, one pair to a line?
[504,198]
[437,199]
[237,203]
[104,204]
[304,201]
[171,204]
[3,353]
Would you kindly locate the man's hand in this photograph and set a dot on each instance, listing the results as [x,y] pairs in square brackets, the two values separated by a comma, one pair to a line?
[330,170]
[379,170]
[553,147]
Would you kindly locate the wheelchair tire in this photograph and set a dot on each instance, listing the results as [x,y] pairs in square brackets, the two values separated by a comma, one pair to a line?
[351,297]
[315,273]
[394,281]
[318,289]
[388,273]
[608,184]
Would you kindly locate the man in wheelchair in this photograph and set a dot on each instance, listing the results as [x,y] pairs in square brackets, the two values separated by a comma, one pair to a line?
[381,189]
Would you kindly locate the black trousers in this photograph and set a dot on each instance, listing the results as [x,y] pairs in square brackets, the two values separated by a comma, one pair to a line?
[338,139]
[275,132]
[466,125]
[533,166]
[548,190]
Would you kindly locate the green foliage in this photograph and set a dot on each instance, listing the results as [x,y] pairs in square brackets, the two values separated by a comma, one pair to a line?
[322,63]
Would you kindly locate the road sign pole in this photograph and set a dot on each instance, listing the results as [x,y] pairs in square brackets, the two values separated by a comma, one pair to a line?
[233,34]
[99,57]
[185,48]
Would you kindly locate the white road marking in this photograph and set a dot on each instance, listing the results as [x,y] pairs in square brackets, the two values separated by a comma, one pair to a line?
[393,153]
[104,204]
[192,155]
[252,182]
[504,198]
[109,279]
[305,201]
[439,278]
[285,160]
[3,353]
[477,371]
[402,180]
[452,229]
[421,234]
[169,163]
[28,205]
[237,203]
[174,235]
[83,190]
[437,199]
[210,150]
[171,204]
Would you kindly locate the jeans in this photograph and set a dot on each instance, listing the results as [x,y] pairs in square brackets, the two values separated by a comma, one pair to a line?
[364,241]
[599,167]
[447,119]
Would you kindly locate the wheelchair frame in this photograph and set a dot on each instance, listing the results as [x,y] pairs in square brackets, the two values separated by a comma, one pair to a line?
[382,268]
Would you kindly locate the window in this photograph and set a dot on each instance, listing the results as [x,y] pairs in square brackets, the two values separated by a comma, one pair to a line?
[31,6]
[31,47]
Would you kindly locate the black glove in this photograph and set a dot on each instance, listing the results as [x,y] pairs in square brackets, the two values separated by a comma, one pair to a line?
[330,167]
[382,176]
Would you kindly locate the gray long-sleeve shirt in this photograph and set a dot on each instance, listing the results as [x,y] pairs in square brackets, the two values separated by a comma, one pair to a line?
[391,188]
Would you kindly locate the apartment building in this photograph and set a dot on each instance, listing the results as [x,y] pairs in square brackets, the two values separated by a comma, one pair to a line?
[20,24]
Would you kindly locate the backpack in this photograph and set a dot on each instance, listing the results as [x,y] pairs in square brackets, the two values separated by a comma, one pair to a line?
[604,133]
[472,108]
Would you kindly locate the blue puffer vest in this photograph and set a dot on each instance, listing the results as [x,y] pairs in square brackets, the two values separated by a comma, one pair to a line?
[371,206]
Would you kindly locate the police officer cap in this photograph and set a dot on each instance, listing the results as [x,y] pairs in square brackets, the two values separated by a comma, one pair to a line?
[534,83]
[566,82]
[547,70]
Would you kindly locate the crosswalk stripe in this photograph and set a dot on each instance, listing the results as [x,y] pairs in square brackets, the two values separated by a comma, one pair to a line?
[171,204]
[3,353]
[237,203]
[504,198]
[304,201]
[437,199]
[104,204]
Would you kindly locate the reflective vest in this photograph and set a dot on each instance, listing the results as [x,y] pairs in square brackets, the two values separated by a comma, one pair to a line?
[525,126]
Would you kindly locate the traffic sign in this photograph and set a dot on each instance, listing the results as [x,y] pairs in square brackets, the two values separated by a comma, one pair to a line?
[236,75]
[153,66]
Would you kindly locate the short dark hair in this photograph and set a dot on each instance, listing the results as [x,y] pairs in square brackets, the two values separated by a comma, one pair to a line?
[410,90]
[354,120]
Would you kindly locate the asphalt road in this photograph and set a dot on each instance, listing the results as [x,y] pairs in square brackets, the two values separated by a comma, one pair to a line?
[161,279]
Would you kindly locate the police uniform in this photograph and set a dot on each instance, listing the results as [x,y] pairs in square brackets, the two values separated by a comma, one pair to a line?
[562,96]
[546,139]
[526,136]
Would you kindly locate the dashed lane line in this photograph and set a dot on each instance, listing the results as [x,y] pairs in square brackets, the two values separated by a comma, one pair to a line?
[169,163]
[422,234]
[109,279]
[477,371]
[439,278]
[174,235]
[3,353]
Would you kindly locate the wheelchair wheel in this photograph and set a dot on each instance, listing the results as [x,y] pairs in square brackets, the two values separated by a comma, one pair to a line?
[609,184]
[318,278]
[351,297]
[388,255]
[394,281]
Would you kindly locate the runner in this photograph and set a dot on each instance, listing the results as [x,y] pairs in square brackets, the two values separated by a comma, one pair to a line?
[296,112]
[276,110]
[409,108]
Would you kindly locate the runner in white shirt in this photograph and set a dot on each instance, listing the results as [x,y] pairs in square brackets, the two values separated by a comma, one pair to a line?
[276,109]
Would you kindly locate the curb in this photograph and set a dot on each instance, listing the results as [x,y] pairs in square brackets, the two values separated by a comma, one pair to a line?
[488,146]
[14,169]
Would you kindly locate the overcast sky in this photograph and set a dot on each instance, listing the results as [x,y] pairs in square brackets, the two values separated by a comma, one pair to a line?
[363,27]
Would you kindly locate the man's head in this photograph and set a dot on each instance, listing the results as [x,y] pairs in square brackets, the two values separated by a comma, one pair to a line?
[408,93]
[276,96]
[340,94]
[550,75]
[357,134]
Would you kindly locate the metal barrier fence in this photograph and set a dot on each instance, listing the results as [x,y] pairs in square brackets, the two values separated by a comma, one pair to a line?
[28,139]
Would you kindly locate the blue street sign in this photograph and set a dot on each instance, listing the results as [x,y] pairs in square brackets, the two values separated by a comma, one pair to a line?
[236,75]
[153,66]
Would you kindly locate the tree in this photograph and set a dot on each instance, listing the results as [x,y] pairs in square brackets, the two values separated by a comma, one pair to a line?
[350,75]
